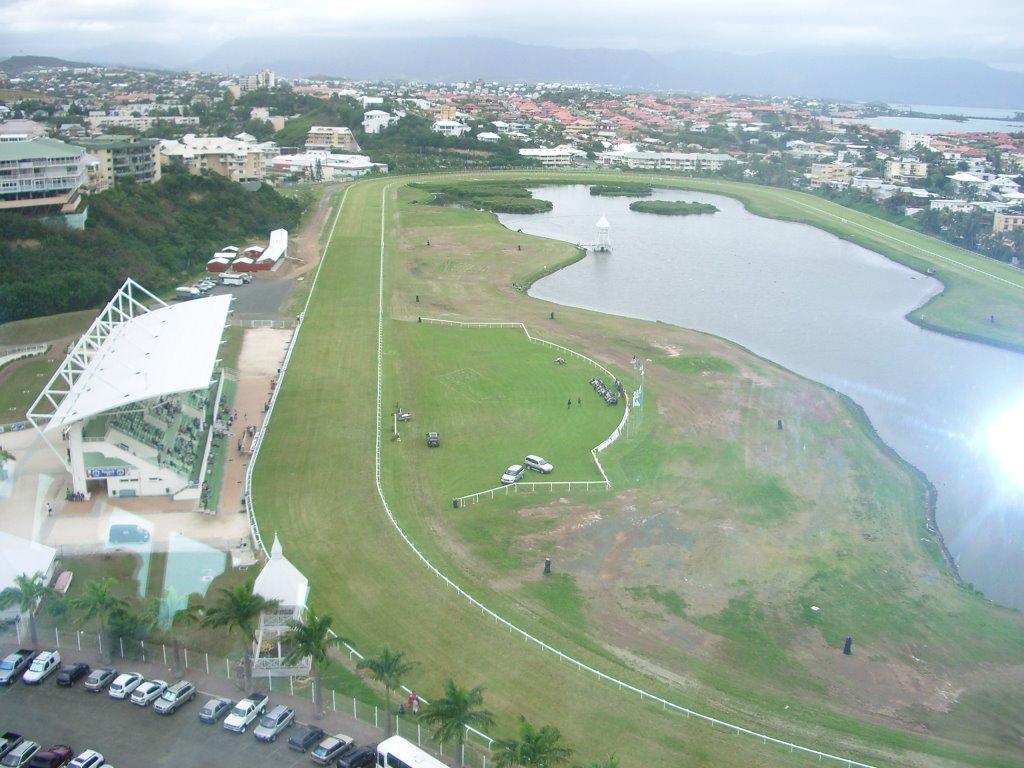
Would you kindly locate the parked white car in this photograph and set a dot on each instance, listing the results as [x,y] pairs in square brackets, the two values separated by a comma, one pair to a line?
[124,684]
[539,464]
[148,692]
[513,474]
[88,759]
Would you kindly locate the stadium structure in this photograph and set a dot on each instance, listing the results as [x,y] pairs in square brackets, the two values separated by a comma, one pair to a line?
[136,406]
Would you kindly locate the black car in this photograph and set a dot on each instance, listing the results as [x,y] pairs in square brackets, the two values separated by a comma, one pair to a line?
[71,673]
[361,757]
[306,737]
[433,440]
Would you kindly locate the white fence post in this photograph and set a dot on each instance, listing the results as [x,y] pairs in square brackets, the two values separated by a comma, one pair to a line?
[56,636]
[165,653]
[78,636]
[185,651]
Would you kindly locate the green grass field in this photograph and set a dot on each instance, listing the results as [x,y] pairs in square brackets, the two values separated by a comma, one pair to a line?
[696,576]
[761,528]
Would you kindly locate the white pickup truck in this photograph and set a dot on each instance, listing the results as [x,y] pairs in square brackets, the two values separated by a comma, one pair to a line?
[245,711]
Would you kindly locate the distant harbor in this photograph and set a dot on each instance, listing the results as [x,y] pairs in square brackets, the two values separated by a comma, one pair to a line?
[930,118]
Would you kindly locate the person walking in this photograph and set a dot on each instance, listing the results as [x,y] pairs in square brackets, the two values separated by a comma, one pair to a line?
[568,405]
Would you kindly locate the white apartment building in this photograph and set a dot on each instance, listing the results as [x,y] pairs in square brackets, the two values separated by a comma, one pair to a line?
[909,141]
[376,120]
[449,127]
[559,157]
[42,173]
[687,162]
[238,160]
[141,123]
[262,79]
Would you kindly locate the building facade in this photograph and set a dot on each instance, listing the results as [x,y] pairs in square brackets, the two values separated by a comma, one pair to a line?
[331,137]
[238,160]
[124,158]
[262,79]
[1007,222]
[905,169]
[831,174]
[42,173]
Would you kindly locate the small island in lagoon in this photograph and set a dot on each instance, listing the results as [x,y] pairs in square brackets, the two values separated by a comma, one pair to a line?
[672,207]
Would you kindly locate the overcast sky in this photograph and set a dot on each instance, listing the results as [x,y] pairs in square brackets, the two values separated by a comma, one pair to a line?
[985,30]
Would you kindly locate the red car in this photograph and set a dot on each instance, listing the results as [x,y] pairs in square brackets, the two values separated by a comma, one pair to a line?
[53,757]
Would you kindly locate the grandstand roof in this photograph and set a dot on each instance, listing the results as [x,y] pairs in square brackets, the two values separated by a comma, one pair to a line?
[133,353]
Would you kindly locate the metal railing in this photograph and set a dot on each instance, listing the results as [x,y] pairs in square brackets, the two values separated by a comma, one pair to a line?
[230,669]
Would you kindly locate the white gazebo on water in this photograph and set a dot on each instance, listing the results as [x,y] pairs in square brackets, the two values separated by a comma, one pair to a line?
[604,240]
[279,580]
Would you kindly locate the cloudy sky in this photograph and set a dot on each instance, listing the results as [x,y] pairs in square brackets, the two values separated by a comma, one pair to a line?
[984,30]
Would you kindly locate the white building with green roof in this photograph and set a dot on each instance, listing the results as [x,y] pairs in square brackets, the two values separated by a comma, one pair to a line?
[42,173]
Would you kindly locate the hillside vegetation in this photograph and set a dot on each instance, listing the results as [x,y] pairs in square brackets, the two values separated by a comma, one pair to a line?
[157,234]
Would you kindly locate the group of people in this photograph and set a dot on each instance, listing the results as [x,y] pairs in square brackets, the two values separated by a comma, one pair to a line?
[602,389]
[411,705]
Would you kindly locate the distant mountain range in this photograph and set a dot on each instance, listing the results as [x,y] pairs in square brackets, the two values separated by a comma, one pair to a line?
[844,76]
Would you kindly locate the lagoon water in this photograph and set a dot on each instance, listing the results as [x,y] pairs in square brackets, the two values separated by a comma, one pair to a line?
[833,312]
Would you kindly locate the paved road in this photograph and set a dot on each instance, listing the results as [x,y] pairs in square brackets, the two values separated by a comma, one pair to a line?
[132,737]
[262,299]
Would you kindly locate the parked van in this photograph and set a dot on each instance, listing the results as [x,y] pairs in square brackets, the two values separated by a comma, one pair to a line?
[42,667]
[232,279]
[186,292]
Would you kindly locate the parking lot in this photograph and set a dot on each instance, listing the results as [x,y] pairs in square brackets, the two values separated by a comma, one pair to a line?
[129,736]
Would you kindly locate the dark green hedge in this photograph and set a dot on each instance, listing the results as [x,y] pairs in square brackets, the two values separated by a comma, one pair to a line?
[672,207]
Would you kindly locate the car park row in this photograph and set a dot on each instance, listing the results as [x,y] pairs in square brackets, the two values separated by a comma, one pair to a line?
[19,752]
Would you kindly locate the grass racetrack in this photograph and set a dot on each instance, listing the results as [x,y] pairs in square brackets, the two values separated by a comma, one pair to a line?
[694,578]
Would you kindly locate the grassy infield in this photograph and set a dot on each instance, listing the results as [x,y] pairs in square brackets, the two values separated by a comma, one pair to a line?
[493,396]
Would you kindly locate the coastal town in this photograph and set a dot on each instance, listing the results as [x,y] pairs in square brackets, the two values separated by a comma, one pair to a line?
[109,125]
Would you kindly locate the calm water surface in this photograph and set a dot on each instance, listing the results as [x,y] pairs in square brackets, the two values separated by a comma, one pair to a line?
[831,311]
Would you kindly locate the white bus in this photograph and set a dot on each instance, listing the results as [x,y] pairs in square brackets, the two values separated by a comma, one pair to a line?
[396,752]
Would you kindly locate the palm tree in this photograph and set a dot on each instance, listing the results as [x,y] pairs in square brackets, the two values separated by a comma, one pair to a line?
[163,614]
[388,669]
[312,638]
[534,747]
[240,609]
[611,761]
[26,594]
[99,602]
[459,709]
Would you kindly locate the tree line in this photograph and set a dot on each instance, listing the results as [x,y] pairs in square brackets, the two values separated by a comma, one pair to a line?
[159,234]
